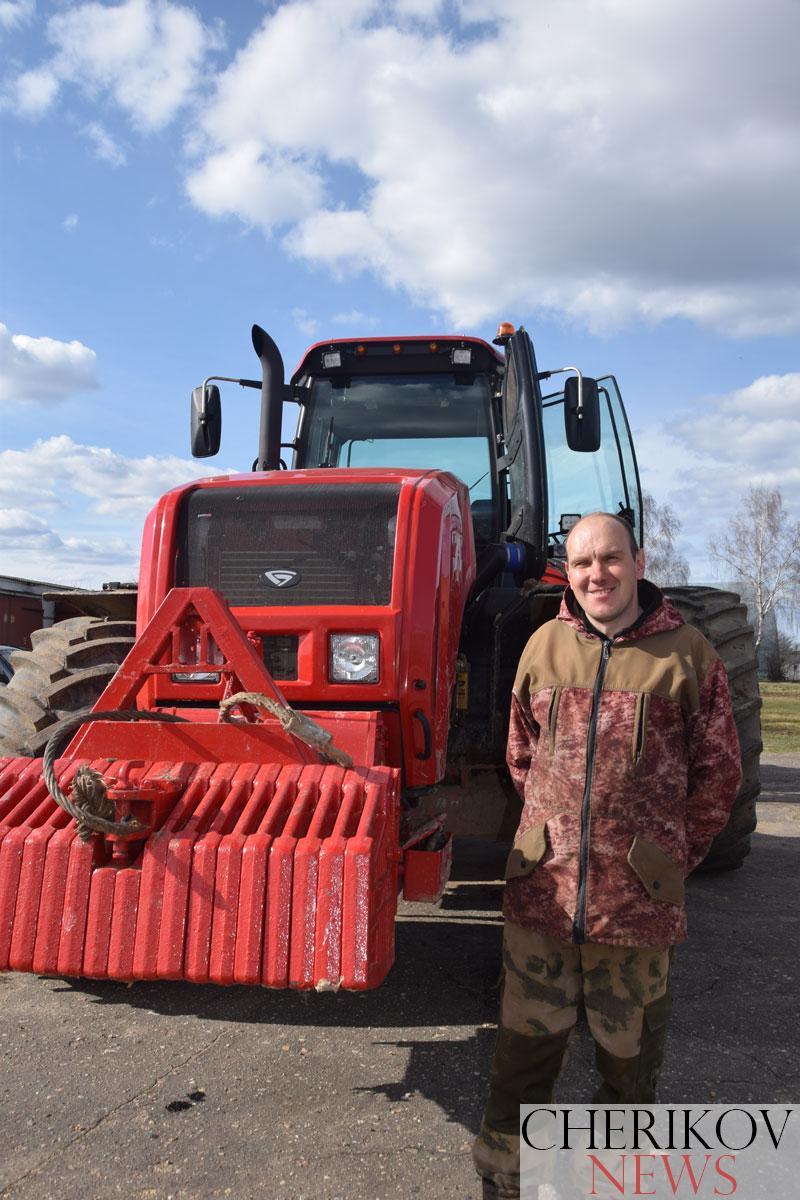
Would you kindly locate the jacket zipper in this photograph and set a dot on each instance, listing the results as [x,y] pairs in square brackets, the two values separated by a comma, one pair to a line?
[578,925]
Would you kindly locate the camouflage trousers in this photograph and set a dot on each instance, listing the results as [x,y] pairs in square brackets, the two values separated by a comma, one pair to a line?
[625,994]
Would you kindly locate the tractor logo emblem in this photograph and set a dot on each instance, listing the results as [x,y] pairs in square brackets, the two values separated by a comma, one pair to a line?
[281,579]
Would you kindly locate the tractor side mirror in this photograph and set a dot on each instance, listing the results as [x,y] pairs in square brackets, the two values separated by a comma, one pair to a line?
[206,420]
[582,414]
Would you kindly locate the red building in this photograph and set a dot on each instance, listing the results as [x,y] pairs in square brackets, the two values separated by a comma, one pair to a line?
[23,609]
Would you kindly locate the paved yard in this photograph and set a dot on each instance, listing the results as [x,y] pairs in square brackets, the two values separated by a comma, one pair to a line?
[169,1090]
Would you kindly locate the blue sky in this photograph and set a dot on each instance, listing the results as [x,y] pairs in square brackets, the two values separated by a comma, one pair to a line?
[620,177]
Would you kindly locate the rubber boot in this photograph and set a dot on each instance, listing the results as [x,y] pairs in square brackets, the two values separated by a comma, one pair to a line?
[524,1071]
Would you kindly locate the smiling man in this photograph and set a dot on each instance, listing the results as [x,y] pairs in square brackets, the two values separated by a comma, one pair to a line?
[623,746]
[604,565]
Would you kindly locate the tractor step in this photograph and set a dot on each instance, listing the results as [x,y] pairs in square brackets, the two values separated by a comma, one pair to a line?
[272,874]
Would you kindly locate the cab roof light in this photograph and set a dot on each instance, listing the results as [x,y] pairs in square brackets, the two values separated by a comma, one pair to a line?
[397,348]
[461,356]
[331,359]
[505,330]
[361,349]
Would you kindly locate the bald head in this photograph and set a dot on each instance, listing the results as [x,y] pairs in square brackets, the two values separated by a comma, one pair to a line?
[604,566]
[620,522]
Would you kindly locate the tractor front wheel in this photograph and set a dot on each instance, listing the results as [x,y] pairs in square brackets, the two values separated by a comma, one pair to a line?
[722,619]
[63,675]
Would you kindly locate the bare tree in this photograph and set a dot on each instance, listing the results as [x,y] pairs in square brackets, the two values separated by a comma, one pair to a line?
[762,549]
[660,527]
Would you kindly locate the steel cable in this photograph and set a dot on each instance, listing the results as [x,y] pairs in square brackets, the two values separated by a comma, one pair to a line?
[293,722]
[91,807]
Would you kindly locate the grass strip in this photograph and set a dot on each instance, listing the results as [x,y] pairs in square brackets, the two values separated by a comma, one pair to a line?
[780,717]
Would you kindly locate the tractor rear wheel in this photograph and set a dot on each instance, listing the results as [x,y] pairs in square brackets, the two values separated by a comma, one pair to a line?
[722,619]
[63,675]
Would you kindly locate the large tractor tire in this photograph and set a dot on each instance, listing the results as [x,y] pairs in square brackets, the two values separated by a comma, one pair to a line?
[63,675]
[722,618]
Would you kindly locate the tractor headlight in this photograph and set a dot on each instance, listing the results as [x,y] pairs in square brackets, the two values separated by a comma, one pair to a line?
[354,658]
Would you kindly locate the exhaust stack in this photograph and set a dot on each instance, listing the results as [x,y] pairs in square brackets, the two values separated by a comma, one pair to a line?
[272,396]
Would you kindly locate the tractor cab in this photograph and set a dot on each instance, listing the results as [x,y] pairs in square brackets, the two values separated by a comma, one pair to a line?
[409,403]
[532,462]
[533,459]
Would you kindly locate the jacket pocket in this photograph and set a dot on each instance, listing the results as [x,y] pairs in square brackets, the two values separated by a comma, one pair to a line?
[639,740]
[527,852]
[661,876]
[552,717]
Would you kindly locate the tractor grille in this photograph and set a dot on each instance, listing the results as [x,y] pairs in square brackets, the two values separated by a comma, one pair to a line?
[292,545]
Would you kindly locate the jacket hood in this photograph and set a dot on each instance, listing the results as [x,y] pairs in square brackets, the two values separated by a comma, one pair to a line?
[658,615]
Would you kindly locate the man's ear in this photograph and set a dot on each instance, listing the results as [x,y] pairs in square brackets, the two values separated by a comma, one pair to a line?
[640,564]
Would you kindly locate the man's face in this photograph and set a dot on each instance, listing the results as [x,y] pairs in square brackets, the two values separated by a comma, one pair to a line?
[603,573]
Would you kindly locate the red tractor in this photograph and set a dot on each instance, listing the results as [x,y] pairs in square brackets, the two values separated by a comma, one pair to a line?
[316,696]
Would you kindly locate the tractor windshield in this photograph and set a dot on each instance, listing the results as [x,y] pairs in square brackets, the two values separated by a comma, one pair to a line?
[605,480]
[436,421]
[418,421]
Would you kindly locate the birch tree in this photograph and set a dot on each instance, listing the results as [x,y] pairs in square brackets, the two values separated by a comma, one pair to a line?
[660,528]
[761,547]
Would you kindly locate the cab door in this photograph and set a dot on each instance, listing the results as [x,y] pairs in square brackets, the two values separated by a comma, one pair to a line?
[605,480]
[521,464]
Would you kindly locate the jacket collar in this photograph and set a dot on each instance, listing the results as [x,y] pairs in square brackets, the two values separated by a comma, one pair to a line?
[658,615]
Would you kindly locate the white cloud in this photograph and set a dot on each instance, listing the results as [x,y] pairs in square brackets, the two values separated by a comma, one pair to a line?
[42,370]
[355,319]
[15,12]
[705,459]
[306,324]
[18,527]
[603,159]
[417,8]
[73,513]
[147,55]
[57,467]
[755,429]
[261,188]
[34,91]
[70,222]
[772,397]
[105,148]
[32,549]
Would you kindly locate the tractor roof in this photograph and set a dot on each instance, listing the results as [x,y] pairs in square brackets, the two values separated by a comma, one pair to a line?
[401,355]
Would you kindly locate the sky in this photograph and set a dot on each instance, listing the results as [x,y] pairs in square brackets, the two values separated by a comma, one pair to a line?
[623,178]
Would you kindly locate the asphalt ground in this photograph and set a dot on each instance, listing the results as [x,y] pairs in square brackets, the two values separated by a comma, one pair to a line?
[171,1091]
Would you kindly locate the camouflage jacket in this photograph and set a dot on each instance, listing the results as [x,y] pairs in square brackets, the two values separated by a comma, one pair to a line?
[626,755]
